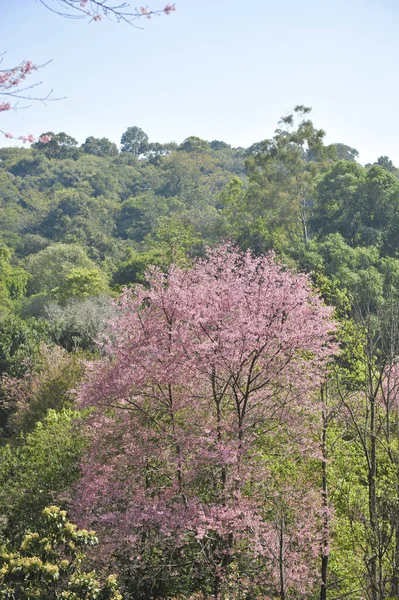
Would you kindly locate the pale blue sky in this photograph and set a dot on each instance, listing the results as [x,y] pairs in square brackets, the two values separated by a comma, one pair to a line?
[219,69]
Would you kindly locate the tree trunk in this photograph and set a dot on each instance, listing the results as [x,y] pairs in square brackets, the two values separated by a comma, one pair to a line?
[281,560]
[395,576]
[373,500]
[326,524]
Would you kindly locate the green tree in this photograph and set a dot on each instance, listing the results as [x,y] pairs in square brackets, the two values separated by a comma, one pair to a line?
[345,152]
[235,220]
[283,173]
[194,144]
[138,216]
[100,147]
[20,344]
[81,283]
[362,205]
[49,267]
[175,239]
[61,145]
[337,205]
[135,141]
[49,386]
[13,281]
[133,269]
[48,564]
[380,205]
[386,164]
[78,324]
[20,351]
[38,468]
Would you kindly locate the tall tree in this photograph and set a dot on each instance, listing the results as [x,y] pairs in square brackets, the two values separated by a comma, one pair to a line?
[207,371]
[282,173]
[134,140]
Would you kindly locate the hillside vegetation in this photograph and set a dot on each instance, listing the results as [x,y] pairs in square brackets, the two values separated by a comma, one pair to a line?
[228,425]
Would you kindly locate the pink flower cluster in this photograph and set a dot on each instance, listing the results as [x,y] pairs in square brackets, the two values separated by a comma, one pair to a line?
[169,8]
[5,106]
[27,138]
[96,17]
[94,10]
[13,77]
[45,139]
[144,12]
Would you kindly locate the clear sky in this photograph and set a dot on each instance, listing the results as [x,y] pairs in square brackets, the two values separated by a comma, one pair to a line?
[218,69]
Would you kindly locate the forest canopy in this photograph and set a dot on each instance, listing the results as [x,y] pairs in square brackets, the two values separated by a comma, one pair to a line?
[199,361]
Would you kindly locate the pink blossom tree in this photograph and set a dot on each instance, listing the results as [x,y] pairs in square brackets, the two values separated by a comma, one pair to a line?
[206,397]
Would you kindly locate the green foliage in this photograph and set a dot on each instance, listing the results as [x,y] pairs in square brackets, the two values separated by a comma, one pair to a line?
[234,216]
[175,239]
[20,345]
[138,216]
[283,173]
[73,218]
[88,197]
[344,152]
[81,283]
[38,468]
[47,387]
[48,564]
[337,202]
[134,140]
[20,351]
[79,323]
[100,147]
[78,216]
[386,164]
[361,205]
[61,145]
[194,144]
[134,268]
[13,281]
[49,267]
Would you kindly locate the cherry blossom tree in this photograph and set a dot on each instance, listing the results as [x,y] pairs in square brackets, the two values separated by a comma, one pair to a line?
[205,423]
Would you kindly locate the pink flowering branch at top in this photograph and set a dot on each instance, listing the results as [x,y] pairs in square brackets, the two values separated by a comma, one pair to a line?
[95,10]
[30,139]
[45,139]
[12,78]
[204,371]
[12,87]
[11,81]
[168,9]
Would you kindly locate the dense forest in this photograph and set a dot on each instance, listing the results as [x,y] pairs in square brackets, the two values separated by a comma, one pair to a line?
[199,362]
